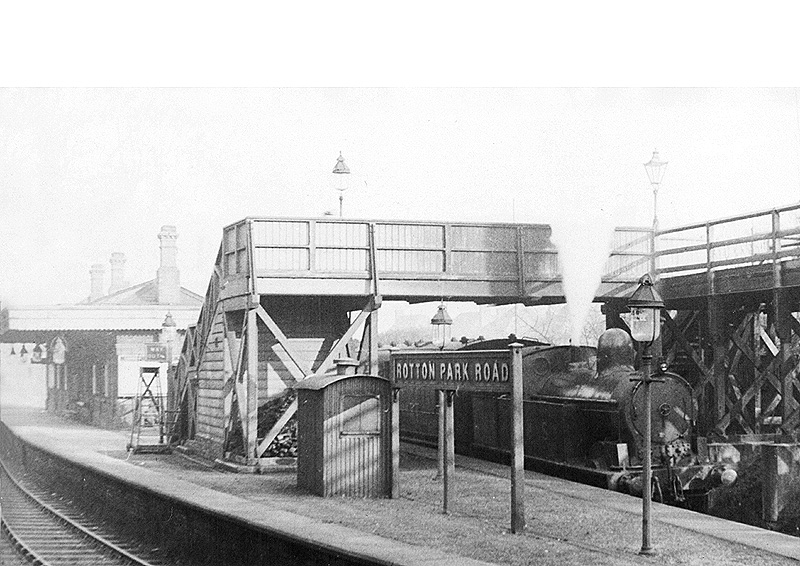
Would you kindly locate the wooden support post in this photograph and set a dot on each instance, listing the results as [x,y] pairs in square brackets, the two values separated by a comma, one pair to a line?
[782,312]
[440,399]
[227,388]
[783,329]
[373,342]
[395,443]
[517,443]
[718,330]
[368,351]
[252,385]
[375,303]
[449,453]
[770,499]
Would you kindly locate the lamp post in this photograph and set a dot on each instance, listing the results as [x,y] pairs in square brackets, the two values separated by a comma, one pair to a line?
[341,183]
[655,172]
[441,324]
[645,323]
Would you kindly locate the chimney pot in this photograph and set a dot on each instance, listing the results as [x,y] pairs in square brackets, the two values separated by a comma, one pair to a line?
[117,272]
[97,274]
[346,366]
[167,276]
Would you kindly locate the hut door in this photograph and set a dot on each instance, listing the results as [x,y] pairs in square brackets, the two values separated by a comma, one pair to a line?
[361,435]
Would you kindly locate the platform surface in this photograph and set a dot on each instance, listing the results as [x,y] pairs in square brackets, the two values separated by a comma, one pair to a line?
[567,523]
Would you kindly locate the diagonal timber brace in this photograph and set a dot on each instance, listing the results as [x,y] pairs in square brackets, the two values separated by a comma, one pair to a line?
[295,369]
[364,317]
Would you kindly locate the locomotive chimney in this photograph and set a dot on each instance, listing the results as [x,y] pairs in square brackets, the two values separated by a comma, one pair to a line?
[167,276]
[117,272]
[614,348]
[97,274]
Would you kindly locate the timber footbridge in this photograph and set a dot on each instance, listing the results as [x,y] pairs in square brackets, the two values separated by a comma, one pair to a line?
[278,309]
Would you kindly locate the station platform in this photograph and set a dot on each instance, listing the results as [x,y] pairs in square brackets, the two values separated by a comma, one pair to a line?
[567,523]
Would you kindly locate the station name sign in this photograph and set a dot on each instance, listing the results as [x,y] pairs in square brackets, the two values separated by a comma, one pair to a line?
[478,370]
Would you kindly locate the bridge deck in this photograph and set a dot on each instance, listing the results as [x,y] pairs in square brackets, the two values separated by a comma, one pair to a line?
[412,261]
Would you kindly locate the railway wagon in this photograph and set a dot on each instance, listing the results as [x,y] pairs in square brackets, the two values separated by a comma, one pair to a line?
[583,420]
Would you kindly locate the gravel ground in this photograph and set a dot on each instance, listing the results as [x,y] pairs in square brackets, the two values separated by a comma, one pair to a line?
[560,529]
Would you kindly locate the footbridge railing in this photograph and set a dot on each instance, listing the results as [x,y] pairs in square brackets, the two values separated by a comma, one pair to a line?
[765,237]
[414,260]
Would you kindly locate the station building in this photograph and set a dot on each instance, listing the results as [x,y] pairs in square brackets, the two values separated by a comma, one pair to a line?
[85,360]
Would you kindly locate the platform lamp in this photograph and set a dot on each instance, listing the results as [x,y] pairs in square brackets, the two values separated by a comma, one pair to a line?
[39,355]
[442,326]
[645,323]
[341,183]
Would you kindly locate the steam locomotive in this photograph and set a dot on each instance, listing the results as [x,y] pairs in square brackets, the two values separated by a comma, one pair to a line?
[583,421]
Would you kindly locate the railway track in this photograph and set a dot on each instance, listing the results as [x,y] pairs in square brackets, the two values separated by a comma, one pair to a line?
[47,531]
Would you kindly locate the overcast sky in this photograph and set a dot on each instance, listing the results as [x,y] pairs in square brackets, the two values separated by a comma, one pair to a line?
[90,171]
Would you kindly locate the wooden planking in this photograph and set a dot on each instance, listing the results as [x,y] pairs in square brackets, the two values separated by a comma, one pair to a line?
[332,252]
[280,233]
[341,234]
[408,236]
[410,261]
[502,263]
[483,238]
[282,259]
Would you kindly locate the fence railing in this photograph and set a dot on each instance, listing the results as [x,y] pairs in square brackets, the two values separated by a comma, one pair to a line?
[757,238]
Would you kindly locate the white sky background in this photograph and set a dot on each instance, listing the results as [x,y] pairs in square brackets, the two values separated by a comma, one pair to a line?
[90,171]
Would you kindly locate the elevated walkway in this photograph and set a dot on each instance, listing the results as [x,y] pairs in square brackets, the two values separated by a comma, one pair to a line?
[413,261]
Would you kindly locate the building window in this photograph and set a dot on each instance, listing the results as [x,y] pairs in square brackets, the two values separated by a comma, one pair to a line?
[94,379]
[361,414]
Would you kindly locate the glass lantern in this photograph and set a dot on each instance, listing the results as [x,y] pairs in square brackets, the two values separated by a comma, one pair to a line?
[441,324]
[645,312]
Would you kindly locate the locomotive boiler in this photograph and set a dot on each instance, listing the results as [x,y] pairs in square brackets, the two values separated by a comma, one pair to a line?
[584,421]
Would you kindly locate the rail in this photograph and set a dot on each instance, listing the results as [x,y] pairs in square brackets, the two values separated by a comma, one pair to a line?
[46,535]
[758,238]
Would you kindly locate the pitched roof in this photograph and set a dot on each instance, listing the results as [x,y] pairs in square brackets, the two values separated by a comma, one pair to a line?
[144,294]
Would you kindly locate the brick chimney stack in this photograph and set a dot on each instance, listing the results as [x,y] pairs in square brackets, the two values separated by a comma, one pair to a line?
[97,273]
[168,279]
[117,272]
